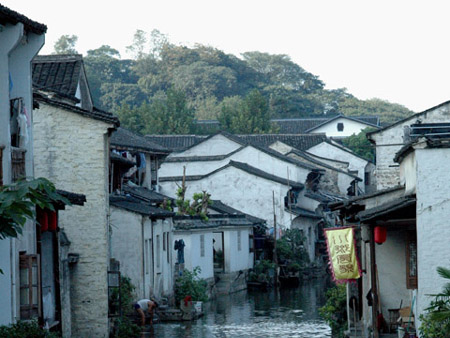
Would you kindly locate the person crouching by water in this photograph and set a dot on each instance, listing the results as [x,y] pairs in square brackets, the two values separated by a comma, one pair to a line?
[145,305]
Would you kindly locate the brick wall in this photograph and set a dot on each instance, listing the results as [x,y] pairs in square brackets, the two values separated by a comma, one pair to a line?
[70,150]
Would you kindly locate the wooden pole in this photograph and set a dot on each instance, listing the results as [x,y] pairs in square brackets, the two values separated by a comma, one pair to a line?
[373,278]
[289,195]
[275,258]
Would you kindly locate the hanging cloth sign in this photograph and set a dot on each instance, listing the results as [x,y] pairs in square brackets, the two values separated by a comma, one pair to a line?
[341,248]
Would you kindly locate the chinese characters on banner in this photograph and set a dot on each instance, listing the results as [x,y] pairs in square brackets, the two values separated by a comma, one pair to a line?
[342,254]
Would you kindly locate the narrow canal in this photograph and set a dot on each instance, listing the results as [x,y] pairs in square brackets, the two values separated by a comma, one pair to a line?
[285,313]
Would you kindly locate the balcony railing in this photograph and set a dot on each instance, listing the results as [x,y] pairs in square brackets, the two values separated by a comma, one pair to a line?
[17,163]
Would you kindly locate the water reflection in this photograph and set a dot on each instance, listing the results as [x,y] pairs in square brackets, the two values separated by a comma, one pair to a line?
[286,313]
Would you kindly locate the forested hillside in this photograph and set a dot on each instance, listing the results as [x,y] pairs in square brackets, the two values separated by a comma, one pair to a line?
[166,86]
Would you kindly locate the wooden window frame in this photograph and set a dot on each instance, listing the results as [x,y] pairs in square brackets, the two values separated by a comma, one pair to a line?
[411,243]
[30,310]
[239,240]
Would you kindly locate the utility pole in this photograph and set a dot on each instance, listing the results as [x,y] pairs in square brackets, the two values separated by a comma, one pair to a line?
[275,258]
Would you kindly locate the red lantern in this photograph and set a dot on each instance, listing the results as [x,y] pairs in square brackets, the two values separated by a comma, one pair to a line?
[380,234]
[52,220]
[42,219]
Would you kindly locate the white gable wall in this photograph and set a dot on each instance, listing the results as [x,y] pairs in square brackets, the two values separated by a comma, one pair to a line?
[350,127]
[192,251]
[236,259]
[325,149]
[126,246]
[250,155]
[216,145]
[72,151]
[240,190]
[389,141]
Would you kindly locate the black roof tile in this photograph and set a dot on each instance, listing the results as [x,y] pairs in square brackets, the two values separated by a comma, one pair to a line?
[96,114]
[57,73]
[137,206]
[123,138]
[9,16]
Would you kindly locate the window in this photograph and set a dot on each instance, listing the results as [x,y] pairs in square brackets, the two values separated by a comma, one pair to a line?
[340,126]
[167,246]
[367,178]
[239,244]
[251,247]
[411,260]
[202,245]
[30,298]
[146,256]
[158,252]
[164,241]
[17,163]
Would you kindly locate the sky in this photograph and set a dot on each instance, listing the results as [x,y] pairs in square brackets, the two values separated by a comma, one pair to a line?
[394,50]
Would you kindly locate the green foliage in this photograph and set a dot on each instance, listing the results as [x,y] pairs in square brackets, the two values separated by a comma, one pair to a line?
[290,248]
[127,296]
[262,272]
[250,116]
[26,329]
[334,312]
[124,328]
[431,328]
[208,76]
[198,207]
[436,322]
[189,284]
[18,203]
[66,44]
[361,145]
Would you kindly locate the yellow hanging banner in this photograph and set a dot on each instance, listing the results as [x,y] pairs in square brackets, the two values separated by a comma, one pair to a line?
[341,247]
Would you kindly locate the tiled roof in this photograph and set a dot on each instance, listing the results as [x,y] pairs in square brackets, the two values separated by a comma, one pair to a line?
[58,73]
[219,206]
[9,16]
[77,199]
[214,221]
[175,142]
[298,141]
[137,206]
[146,194]
[242,166]
[124,138]
[309,158]
[386,208]
[96,114]
[303,125]
[303,212]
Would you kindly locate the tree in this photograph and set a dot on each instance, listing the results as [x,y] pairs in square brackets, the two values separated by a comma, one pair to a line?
[249,116]
[66,45]
[167,113]
[18,203]
[361,145]
[137,48]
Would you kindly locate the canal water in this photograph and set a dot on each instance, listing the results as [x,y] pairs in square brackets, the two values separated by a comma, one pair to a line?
[282,313]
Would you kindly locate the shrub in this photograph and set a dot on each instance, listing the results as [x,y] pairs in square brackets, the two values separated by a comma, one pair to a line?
[29,329]
[436,322]
[189,284]
[127,296]
[124,328]
[335,310]
[431,328]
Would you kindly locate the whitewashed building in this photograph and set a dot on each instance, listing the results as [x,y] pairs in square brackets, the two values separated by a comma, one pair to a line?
[389,140]
[141,241]
[358,165]
[20,40]
[72,150]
